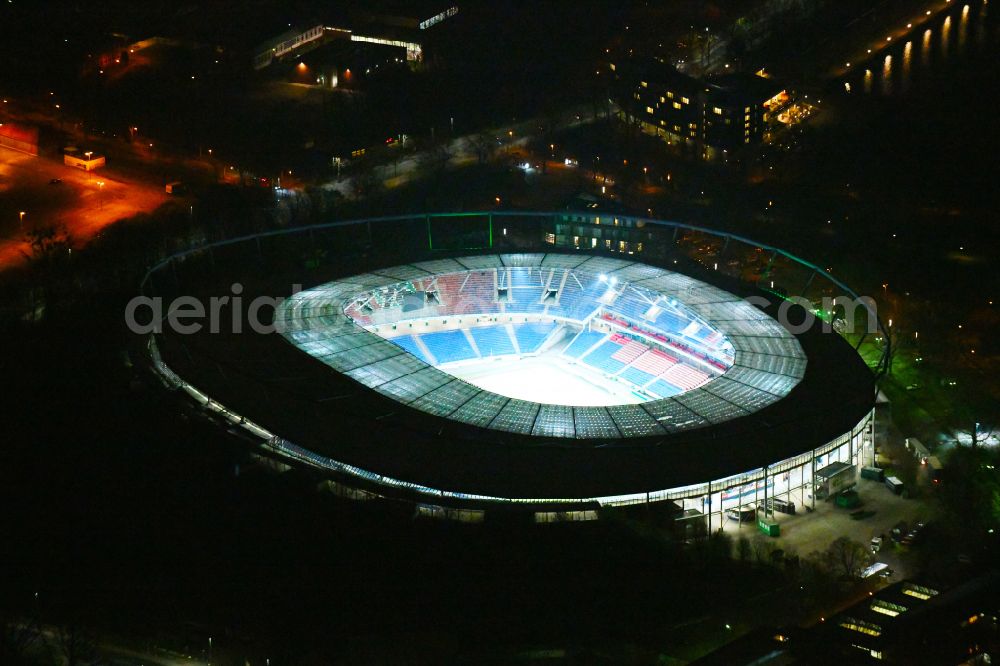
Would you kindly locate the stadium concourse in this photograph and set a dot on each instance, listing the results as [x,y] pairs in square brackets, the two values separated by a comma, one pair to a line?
[551,383]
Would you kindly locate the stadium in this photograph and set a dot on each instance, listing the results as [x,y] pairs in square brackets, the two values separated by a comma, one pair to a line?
[520,377]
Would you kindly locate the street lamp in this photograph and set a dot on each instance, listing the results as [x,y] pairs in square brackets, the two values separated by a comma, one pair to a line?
[20,219]
[100,196]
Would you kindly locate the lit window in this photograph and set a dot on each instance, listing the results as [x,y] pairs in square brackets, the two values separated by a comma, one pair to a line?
[670,94]
[649,109]
[887,608]
[861,626]
[550,239]
[612,66]
[717,110]
[918,591]
[643,84]
[677,105]
[685,100]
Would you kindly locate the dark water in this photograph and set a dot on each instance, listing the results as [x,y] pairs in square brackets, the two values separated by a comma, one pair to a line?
[917,139]
[915,63]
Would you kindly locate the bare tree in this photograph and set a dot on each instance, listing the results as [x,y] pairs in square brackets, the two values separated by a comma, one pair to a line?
[484,143]
[845,556]
[47,244]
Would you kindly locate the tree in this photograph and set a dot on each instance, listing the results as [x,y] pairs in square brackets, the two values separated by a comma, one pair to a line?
[435,157]
[47,245]
[17,636]
[971,489]
[845,556]
[743,550]
[484,143]
[77,646]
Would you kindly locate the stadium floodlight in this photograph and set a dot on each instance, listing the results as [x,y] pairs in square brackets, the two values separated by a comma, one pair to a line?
[602,277]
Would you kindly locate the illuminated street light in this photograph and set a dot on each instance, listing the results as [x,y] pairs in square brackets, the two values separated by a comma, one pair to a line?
[20,219]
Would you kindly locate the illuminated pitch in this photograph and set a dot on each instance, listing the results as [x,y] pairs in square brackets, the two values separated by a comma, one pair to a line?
[547,378]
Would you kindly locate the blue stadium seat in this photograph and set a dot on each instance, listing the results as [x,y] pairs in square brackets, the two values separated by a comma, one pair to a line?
[492,340]
[663,389]
[448,346]
[576,303]
[409,343]
[636,376]
[582,342]
[531,336]
[601,359]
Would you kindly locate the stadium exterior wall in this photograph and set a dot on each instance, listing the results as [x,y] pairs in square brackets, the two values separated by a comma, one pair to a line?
[791,478]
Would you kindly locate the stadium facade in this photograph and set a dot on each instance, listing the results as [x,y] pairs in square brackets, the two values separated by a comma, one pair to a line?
[384,381]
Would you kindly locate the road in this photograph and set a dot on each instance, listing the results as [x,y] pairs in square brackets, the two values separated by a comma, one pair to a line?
[457,152]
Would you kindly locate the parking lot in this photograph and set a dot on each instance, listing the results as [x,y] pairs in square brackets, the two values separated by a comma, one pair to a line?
[51,193]
[879,510]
